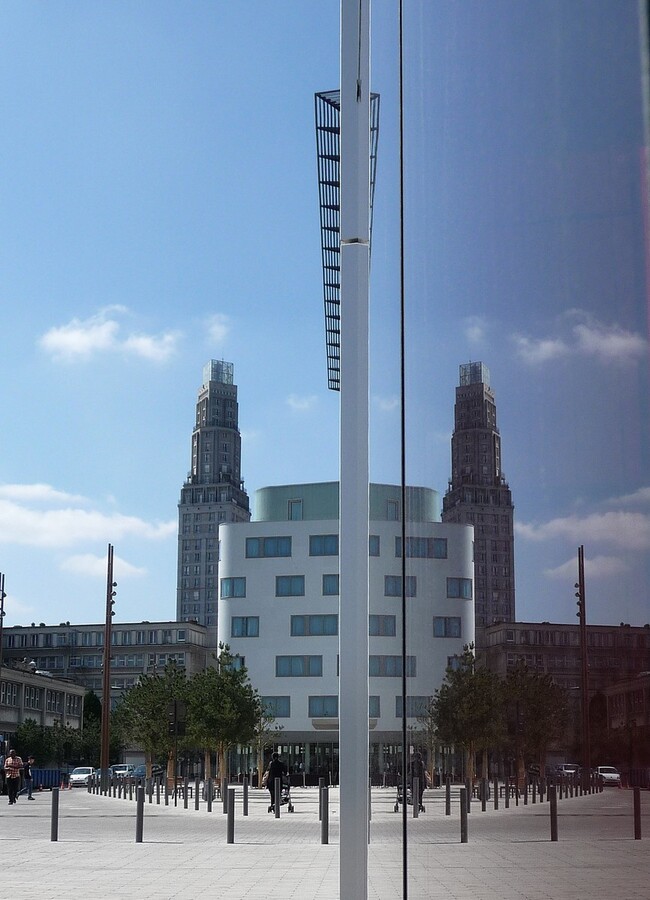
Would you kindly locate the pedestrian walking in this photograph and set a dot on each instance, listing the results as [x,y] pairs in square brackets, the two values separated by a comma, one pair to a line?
[13,768]
[277,769]
[28,778]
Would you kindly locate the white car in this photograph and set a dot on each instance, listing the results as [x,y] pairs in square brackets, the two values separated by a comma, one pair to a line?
[122,771]
[80,776]
[610,775]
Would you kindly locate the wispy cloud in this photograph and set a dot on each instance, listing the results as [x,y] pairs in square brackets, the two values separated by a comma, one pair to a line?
[607,343]
[302,404]
[536,351]
[81,339]
[218,327]
[618,528]
[596,567]
[26,522]
[386,404]
[95,566]
[37,493]
[640,497]
[475,328]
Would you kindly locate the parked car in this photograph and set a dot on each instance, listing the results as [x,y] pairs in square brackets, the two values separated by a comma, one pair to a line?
[123,770]
[610,775]
[80,776]
[567,769]
[157,772]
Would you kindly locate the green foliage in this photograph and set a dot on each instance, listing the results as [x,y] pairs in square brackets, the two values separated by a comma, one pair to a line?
[141,715]
[33,738]
[223,708]
[536,711]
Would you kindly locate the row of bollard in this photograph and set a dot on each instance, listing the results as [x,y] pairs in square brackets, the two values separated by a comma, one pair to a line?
[228,798]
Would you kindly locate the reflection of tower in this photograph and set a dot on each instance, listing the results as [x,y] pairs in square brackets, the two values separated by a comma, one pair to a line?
[212,493]
[479,495]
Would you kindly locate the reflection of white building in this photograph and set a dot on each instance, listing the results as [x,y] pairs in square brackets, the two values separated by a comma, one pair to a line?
[278,609]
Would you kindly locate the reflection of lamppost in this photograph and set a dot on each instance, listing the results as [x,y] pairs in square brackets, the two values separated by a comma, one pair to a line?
[106,682]
[584,670]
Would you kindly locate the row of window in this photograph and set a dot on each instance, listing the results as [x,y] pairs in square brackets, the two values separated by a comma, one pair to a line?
[327,706]
[328,545]
[119,638]
[328,624]
[55,701]
[294,586]
[312,666]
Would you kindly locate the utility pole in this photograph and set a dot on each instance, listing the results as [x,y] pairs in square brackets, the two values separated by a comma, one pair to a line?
[2,618]
[106,682]
[584,671]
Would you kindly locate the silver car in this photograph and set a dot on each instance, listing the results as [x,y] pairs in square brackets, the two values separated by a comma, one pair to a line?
[610,775]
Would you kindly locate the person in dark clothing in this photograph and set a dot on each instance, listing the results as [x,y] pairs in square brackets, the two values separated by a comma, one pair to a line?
[277,769]
[417,771]
[28,778]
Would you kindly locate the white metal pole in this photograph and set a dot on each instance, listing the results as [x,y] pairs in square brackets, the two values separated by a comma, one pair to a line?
[353,554]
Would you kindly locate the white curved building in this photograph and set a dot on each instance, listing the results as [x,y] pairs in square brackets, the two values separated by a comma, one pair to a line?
[278,611]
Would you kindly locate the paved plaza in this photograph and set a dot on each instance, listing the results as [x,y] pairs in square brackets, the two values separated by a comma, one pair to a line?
[185,854]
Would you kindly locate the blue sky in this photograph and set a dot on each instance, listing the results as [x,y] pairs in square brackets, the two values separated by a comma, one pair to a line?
[159,208]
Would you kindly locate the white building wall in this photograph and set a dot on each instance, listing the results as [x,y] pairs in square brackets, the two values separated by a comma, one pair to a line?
[275,613]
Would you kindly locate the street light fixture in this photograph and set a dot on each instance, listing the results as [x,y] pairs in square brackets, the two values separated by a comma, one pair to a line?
[106,681]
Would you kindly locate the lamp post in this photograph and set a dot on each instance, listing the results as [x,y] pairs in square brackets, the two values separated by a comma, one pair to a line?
[584,668]
[106,682]
[2,618]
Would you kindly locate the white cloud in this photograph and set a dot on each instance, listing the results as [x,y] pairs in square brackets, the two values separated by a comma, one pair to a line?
[618,529]
[588,338]
[386,404]
[609,343]
[218,328]
[156,349]
[301,404]
[95,566]
[37,493]
[596,567]
[82,338]
[475,329]
[68,526]
[640,497]
[535,352]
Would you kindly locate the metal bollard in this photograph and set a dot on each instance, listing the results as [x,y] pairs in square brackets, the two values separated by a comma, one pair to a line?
[277,796]
[495,788]
[637,814]
[196,793]
[448,796]
[526,790]
[534,795]
[209,792]
[158,792]
[415,797]
[484,793]
[245,798]
[139,815]
[506,792]
[149,784]
[166,791]
[54,824]
[321,785]
[325,817]
[468,795]
[224,794]
[552,796]
[463,815]
[230,827]
[186,783]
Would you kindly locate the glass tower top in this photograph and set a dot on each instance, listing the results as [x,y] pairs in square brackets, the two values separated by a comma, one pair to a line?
[218,370]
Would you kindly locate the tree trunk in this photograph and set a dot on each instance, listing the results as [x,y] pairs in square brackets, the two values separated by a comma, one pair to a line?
[207,764]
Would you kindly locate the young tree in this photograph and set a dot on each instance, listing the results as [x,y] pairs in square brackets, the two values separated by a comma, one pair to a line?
[33,738]
[141,716]
[265,734]
[223,709]
[537,711]
[428,732]
[468,710]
